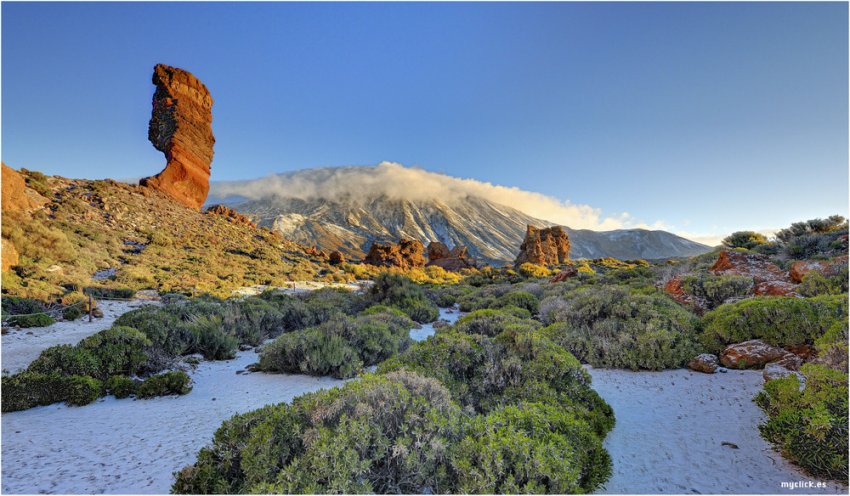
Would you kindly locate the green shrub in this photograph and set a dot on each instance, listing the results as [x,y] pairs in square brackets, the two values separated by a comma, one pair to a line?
[121,386]
[73,312]
[83,390]
[490,322]
[165,384]
[616,327]
[37,320]
[30,389]
[102,292]
[714,290]
[780,321]
[166,331]
[322,350]
[809,426]
[211,340]
[404,294]
[815,284]
[381,434]
[119,350]
[529,448]
[66,360]
[744,239]
[521,299]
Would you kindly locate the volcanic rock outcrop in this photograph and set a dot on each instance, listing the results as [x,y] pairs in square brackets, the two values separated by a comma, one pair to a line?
[181,128]
[549,246]
[231,215]
[768,278]
[825,267]
[453,260]
[406,254]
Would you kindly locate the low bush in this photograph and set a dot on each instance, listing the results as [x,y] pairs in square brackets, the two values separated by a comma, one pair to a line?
[521,299]
[119,351]
[780,321]
[744,239]
[83,390]
[165,384]
[36,320]
[816,284]
[66,360]
[73,312]
[404,294]
[103,292]
[809,426]
[30,389]
[715,290]
[491,322]
[121,386]
[529,448]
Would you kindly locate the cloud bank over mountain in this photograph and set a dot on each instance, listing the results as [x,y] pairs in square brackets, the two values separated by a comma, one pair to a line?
[396,181]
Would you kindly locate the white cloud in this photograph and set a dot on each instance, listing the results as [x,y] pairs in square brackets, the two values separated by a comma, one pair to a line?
[414,184]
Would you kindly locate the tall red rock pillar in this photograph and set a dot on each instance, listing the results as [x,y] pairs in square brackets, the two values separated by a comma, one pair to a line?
[181,128]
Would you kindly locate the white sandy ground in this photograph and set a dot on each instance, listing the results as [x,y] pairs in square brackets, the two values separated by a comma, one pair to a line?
[667,438]
[22,346]
[670,426]
[134,446]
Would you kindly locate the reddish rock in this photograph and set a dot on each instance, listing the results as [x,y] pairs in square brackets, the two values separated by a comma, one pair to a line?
[437,250]
[825,267]
[336,258]
[181,128]
[755,353]
[674,289]
[452,264]
[705,363]
[231,215]
[775,288]
[565,274]
[406,254]
[314,251]
[754,265]
[550,246]
[804,351]
[15,195]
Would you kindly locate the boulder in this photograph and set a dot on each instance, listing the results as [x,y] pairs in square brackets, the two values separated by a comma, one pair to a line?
[336,258]
[314,251]
[775,288]
[756,353]
[705,363]
[549,246]
[15,195]
[777,371]
[181,128]
[569,272]
[405,254]
[231,215]
[826,267]
[438,250]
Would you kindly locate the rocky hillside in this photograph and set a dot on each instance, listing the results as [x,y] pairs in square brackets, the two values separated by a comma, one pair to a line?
[493,233]
[70,234]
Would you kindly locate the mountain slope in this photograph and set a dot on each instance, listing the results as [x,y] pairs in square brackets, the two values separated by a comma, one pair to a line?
[492,232]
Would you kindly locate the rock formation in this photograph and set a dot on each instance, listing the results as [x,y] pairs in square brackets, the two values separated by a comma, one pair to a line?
[757,353]
[181,128]
[768,278]
[336,258]
[231,215]
[16,197]
[406,254]
[453,260]
[825,267]
[569,272]
[550,246]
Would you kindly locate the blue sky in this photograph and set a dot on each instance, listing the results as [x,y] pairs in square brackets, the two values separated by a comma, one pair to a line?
[699,118]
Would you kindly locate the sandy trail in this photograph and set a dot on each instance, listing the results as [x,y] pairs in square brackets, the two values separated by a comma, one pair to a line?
[670,426]
[22,346]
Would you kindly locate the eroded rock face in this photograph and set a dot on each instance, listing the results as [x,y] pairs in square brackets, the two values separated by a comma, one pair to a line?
[768,278]
[454,260]
[405,254]
[16,197]
[9,255]
[181,128]
[757,353]
[705,363]
[549,246]
[231,215]
[336,258]
[825,267]
[565,274]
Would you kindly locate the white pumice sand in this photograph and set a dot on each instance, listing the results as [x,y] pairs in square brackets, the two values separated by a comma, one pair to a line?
[22,346]
[450,315]
[670,429]
[134,446]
